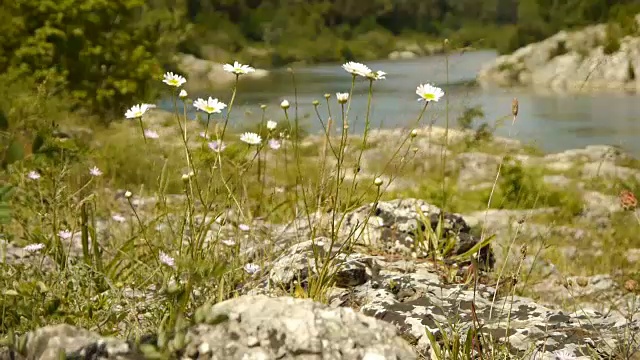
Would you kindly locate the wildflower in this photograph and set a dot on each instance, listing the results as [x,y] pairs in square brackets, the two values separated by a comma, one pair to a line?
[65,234]
[342,97]
[357,68]
[203,135]
[229,242]
[377,181]
[377,75]
[137,111]
[128,194]
[210,105]
[564,354]
[274,144]
[315,102]
[628,200]
[33,175]
[251,268]
[414,133]
[150,134]
[118,218]
[429,92]
[238,68]
[94,171]
[251,138]
[33,247]
[263,106]
[284,104]
[183,94]
[217,146]
[244,227]
[172,79]
[185,177]
[166,259]
[272,125]
[327,96]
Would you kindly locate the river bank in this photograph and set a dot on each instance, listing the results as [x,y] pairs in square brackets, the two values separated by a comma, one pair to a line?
[590,60]
[206,70]
[550,121]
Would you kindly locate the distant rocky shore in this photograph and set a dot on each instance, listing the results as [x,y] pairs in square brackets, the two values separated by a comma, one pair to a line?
[576,61]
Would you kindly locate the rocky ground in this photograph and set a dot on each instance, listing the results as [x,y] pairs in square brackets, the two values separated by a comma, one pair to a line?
[570,61]
[388,291]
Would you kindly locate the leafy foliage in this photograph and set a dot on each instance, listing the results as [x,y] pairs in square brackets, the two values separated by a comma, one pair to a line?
[103,53]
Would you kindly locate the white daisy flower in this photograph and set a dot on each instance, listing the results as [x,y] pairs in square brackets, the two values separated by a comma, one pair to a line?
[172,79]
[166,259]
[564,354]
[238,68]
[251,138]
[65,234]
[357,68]
[271,125]
[150,134]
[33,175]
[285,104]
[33,247]
[428,92]
[342,97]
[183,94]
[251,268]
[94,171]
[210,105]
[136,111]
[377,75]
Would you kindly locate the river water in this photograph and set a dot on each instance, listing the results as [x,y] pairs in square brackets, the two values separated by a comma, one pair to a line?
[551,121]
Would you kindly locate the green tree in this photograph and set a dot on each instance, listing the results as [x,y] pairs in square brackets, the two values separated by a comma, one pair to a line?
[104,53]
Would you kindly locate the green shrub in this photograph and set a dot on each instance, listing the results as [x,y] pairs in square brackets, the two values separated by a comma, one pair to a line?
[104,54]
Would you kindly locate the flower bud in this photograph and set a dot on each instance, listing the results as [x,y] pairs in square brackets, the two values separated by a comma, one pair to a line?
[377,181]
[128,194]
[414,133]
[284,104]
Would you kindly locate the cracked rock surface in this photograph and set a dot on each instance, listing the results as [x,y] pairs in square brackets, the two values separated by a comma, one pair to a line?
[387,294]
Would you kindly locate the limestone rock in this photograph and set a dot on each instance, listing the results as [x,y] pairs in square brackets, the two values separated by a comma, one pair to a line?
[569,62]
[260,327]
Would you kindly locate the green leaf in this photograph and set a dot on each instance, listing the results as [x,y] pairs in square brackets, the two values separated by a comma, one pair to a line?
[4,121]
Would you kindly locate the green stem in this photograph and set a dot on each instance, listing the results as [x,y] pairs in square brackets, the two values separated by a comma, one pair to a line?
[226,118]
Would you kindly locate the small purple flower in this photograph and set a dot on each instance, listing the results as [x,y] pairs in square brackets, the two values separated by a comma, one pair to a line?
[274,144]
[229,242]
[217,146]
[33,175]
[65,234]
[150,134]
[94,171]
[118,218]
[167,260]
[251,268]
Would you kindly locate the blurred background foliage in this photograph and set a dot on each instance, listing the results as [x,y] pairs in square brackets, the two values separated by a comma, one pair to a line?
[96,57]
